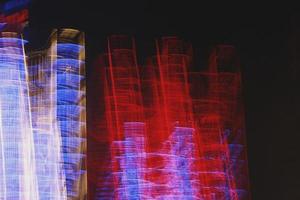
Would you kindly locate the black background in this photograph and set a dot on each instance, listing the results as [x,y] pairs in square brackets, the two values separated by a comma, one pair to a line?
[267,38]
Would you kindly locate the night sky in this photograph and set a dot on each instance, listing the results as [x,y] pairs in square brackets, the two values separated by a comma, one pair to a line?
[266,37]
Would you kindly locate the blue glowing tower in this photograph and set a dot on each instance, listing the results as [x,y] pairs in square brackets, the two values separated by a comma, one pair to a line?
[70,107]
[57,93]
[17,170]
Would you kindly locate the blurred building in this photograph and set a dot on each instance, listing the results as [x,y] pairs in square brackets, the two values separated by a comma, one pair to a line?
[17,153]
[171,133]
[57,80]
[43,152]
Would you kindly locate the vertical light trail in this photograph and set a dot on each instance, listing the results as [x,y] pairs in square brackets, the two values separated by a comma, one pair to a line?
[2,161]
[114,103]
[162,87]
[28,149]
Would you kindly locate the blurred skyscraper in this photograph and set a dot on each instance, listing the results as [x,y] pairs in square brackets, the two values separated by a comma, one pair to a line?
[58,105]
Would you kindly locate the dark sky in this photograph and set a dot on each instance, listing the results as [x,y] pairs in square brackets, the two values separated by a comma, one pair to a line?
[266,37]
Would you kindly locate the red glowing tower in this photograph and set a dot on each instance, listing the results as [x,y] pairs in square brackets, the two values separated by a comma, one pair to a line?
[171,133]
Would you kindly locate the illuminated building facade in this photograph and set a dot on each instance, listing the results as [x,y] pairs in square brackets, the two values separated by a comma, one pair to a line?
[70,107]
[218,109]
[43,115]
[125,118]
[172,133]
[58,106]
[43,118]
[18,178]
